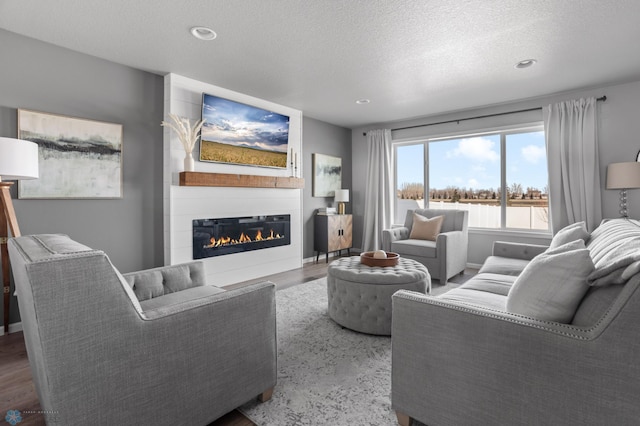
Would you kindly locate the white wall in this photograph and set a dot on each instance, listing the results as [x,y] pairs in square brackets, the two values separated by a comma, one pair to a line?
[183,96]
[619,140]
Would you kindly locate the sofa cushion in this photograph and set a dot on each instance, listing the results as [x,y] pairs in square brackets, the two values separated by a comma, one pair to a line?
[575,231]
[503,265]
[474,297]
[486,290]
[426,228]
[552,285]
[423,248]
[490,283]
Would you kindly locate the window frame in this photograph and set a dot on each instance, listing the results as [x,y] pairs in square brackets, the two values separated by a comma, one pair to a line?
[503,132]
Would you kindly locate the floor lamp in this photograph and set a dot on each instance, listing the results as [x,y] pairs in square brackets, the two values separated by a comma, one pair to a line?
[18,160]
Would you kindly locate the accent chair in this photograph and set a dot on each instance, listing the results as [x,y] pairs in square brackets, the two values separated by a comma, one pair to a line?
[157,347]
[446,255]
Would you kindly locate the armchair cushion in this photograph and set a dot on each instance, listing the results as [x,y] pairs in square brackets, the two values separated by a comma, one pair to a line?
[552,285]
[426,228]
[424,248]
[179,297]
[157,282]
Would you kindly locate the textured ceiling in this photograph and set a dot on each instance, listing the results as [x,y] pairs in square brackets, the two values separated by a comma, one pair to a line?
[411,58]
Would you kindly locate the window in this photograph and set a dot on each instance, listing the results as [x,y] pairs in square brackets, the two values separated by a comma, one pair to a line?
[499,177]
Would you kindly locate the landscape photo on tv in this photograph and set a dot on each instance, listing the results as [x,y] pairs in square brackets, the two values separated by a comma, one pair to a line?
[238,133]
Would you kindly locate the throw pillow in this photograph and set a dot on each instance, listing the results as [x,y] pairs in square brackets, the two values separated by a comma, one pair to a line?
[424,228]
[552,285]
[570,233]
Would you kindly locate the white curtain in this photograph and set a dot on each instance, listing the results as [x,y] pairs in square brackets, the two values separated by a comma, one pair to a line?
[378,198]
[574,169]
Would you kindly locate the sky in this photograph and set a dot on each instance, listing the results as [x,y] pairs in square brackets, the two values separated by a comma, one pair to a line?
[475,162]
[239,124]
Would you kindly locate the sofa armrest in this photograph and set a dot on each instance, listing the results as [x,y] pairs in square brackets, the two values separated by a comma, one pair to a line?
[393,234]
[517,250]
[502,368]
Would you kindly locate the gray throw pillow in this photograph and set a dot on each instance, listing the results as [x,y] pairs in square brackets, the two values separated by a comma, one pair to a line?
[552,285]
[575,231]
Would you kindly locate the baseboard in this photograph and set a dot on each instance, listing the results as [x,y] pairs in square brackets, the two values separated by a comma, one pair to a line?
[13,328]
[474,265]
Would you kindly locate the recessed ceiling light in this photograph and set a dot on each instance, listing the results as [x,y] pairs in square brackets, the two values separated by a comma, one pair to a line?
[203,33]
[363,101]
[525,63]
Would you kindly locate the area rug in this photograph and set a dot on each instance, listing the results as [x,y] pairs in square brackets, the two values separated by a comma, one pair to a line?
[327,375]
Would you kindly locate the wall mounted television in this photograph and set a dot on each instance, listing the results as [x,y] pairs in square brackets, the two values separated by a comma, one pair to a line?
[238,133]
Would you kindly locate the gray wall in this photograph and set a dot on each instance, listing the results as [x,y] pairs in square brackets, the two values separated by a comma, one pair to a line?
[619,127]
[42,77]
[323,138]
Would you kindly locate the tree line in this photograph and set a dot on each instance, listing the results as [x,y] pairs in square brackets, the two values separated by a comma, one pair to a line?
[415,191]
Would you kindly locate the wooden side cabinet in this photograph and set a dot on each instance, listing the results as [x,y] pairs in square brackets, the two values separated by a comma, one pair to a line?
[332,233]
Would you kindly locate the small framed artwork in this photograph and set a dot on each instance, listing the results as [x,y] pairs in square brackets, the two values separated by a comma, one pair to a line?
[327,175]
[77,158]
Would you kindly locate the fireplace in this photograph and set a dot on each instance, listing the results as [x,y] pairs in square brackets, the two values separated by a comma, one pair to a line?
[217,237]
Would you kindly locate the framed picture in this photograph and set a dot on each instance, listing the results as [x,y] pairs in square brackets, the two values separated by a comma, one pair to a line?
[77,158]
[327,175]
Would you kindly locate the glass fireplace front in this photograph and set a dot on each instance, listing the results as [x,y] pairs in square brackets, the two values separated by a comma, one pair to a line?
[217,237]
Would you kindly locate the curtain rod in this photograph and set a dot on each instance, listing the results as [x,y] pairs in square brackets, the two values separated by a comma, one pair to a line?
[602,98]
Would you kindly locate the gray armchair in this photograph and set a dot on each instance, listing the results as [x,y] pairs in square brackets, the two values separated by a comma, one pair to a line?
[154,347]
[445,257]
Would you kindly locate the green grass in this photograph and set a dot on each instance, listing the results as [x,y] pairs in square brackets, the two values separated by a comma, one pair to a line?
[215,151]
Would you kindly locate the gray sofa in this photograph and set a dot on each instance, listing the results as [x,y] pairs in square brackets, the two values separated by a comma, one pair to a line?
[445,257]
[462,358]
[156,347]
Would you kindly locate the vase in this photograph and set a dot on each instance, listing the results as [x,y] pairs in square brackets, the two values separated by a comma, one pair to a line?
[189,164]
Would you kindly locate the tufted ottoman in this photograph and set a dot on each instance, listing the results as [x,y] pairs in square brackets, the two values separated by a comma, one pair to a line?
[360,295]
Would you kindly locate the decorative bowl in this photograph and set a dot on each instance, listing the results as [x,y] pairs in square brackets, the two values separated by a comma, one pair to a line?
[368,259]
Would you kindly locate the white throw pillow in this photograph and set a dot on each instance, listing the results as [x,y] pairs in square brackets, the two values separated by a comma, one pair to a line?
[575,231]
[552,285]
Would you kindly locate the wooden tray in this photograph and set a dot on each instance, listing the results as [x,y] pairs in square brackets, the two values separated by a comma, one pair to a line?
[368,259]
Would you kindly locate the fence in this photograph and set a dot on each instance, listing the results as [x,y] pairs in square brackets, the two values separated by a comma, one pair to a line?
[484,215]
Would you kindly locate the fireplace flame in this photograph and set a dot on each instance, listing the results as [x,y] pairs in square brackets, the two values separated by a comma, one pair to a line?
[244,238]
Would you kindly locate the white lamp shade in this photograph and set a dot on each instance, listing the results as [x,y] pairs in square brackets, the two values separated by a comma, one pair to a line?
[623,175]
[341,195]
[18,159]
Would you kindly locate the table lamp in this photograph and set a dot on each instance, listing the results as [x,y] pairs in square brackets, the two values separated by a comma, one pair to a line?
[18,160]
[341,196]
[623,176]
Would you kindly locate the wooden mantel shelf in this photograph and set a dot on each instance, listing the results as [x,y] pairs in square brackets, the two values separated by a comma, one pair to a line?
[244,181]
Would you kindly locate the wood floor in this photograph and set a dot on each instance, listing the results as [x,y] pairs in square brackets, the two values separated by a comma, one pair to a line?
[16,386]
